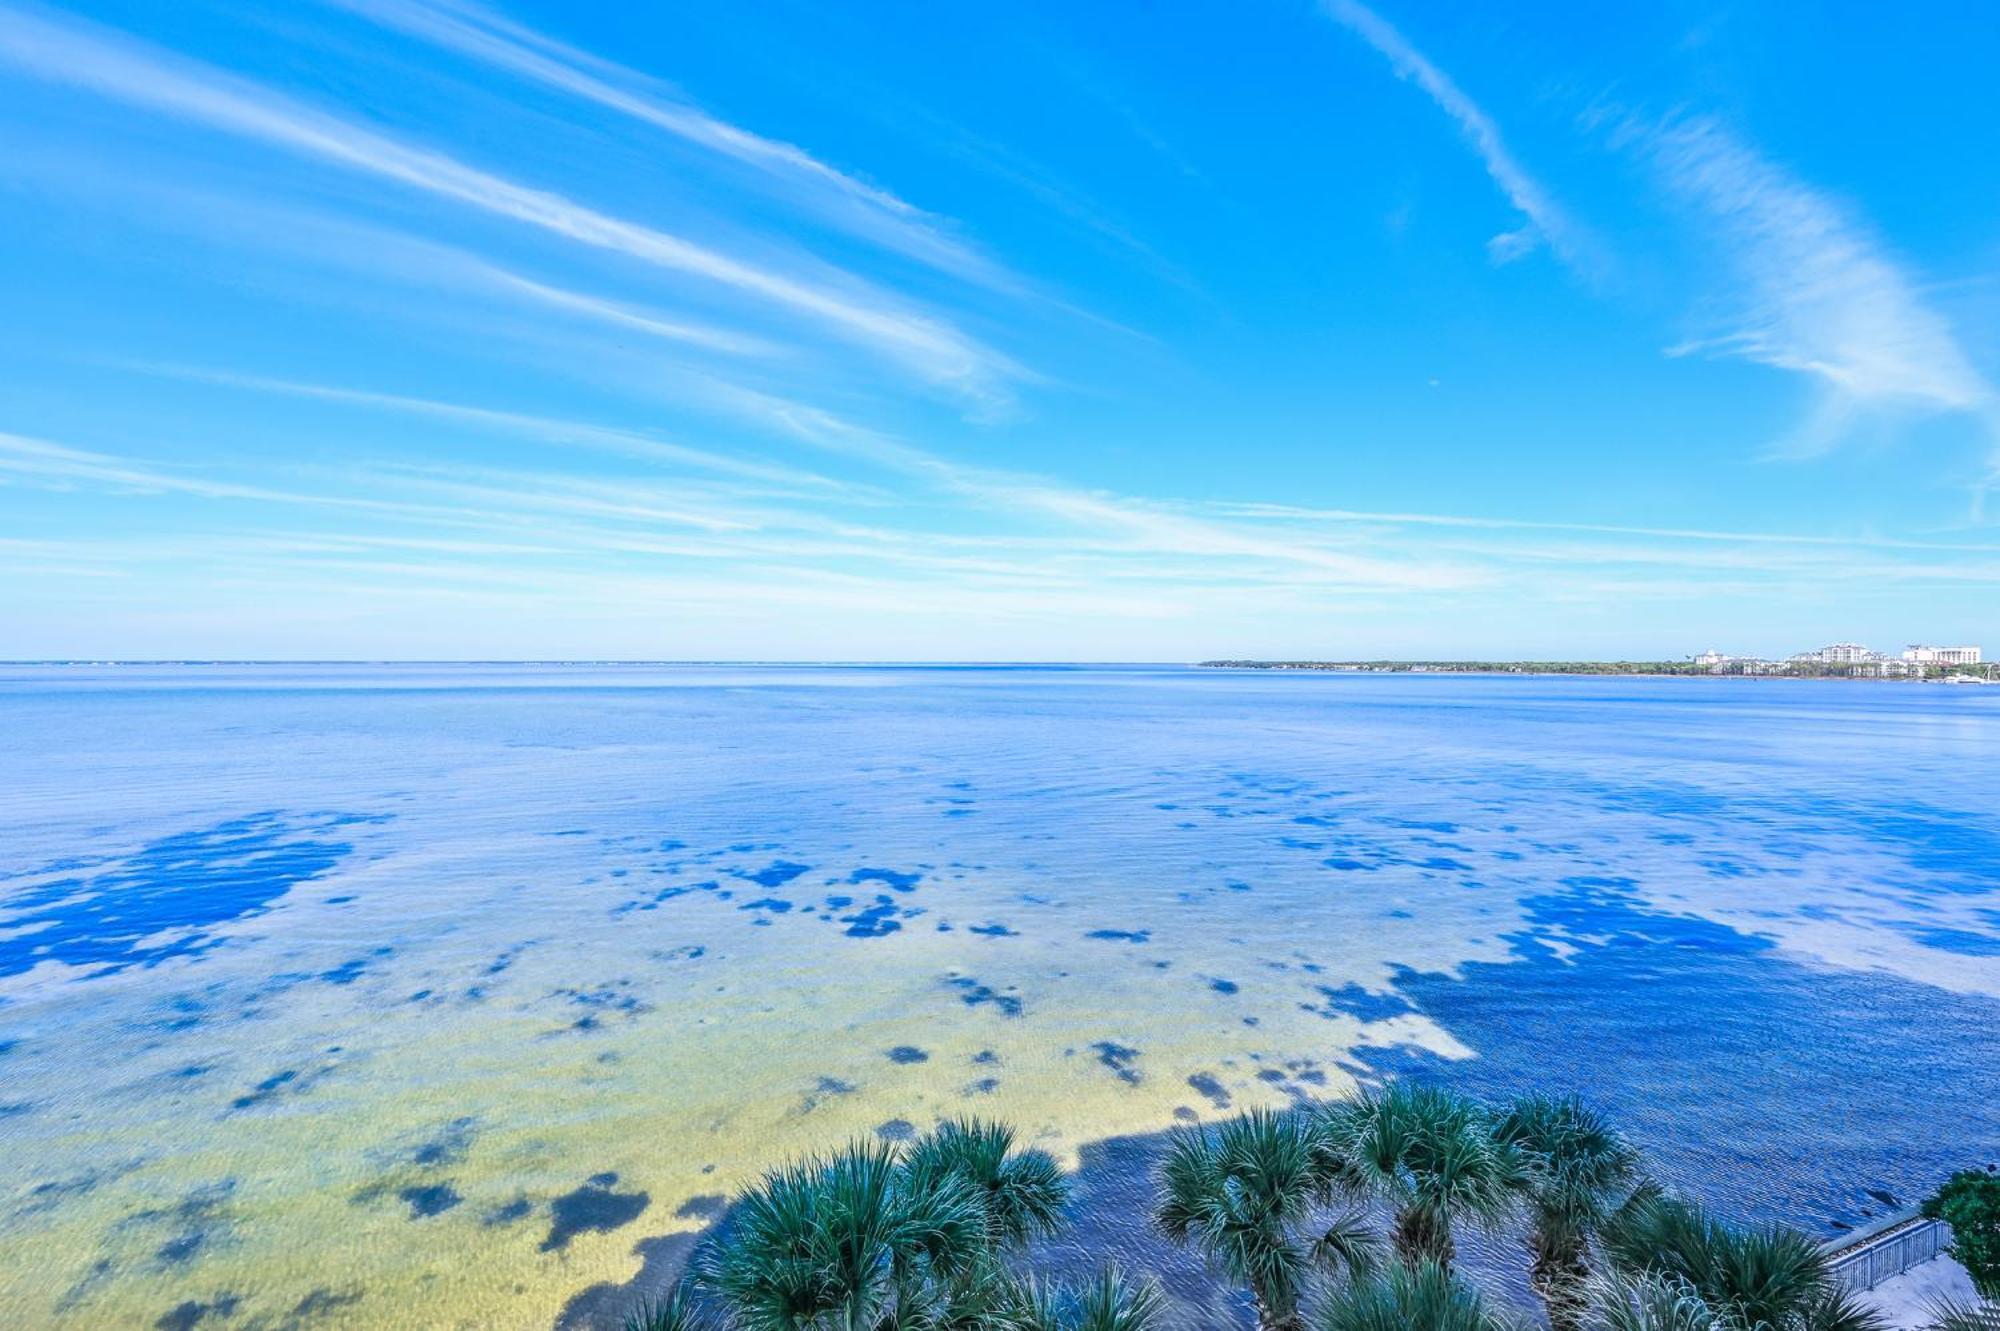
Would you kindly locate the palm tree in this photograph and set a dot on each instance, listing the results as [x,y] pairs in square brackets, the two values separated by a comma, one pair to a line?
[1432,1154]
[1246,1195]
[1579,1165]
[1023,1193]
[1423,1297]
[1771,1277]
[844,1243]
[1021,1196]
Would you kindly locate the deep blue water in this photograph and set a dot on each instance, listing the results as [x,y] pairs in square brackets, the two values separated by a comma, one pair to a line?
[433,991]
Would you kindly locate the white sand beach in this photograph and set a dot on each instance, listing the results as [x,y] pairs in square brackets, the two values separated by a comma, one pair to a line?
[1906,1300]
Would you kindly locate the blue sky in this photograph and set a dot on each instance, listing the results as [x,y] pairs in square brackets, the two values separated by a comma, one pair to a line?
[1142,331]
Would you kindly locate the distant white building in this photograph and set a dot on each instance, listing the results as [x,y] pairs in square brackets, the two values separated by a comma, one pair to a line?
[1839,653]
[1918,654]
[1722,663]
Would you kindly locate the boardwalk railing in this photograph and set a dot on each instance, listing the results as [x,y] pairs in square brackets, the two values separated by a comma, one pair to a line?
[1863,1261]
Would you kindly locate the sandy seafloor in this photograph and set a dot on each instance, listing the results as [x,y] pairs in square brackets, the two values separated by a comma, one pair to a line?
[438,996]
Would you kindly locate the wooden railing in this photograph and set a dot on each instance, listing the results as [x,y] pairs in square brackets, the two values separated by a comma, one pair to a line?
[1888,1248]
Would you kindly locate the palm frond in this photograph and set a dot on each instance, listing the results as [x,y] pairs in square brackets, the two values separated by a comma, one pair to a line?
[1958,1315]
[1433,1154]
[1651,1302]
[1424,1297]
[1243,1195]
[1574,1164]
[676,1312]
[843,1238]
[1349,1245]
[1112,1303]
[1023,1193]
[1771,1277]
[984,1297]
[1835,1309]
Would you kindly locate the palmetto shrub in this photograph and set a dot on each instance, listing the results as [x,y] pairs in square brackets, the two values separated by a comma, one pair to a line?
[1432,1154]
[1423,1297]
[1251,1196]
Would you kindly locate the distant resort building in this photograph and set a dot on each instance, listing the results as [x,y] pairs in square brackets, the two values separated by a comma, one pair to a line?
[1851,658]
[1722,663]
[1918,654]
[1839,653]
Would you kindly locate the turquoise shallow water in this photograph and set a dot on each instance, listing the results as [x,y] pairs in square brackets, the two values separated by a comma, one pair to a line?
[383,996]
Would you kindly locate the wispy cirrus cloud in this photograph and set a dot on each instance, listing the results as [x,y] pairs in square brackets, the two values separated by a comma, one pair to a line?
[1290,513]
[1816,292]
[110,64]
[634,547]
[1546,222]
[831,196]
[630,443]
[622,550]
[458,497]
[48,463]
[625,316]
[317,238]
[1091,529]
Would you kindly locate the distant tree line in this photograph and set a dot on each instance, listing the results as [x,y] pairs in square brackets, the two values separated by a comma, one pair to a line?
[1785,669]
[1477,667]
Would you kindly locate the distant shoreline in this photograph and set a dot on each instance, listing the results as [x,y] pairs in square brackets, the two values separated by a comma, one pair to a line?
[1988,672]
[1980,674]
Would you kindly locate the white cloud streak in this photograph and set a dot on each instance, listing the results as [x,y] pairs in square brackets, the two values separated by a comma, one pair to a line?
[548,545]
[1291,513]
[631,443]
[519,502]
[117,67]
[625,316]
[60,464]
[1546,220]
[320,239]
[1819,295]
[833,197]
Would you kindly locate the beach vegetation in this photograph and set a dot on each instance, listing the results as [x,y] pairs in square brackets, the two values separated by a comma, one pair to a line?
[877,1238]
[1431,1154]
[1109,1303]
[1580,1168]
[1961,1315]
[1404,1297]
[1252,1196]
[1770,1276]
[680,1310]
[845,1241]
[1021,1194]
[1650,1301]
[1969,1202]
[1333,1217]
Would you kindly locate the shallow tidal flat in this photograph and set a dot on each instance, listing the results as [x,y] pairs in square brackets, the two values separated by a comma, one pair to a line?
[390,996]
